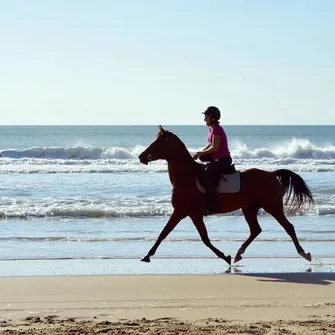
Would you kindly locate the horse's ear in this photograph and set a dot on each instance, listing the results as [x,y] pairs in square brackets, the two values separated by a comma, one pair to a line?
[161,129]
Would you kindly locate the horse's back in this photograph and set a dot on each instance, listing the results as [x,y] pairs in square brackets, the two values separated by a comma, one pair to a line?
[257,180]
[255,173]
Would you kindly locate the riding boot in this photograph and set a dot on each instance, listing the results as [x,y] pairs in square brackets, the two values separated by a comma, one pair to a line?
[211,180]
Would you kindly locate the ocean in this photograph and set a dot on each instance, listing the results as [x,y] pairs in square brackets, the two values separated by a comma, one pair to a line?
[75,200]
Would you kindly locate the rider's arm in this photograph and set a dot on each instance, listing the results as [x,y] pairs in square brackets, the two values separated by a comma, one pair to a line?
[206,147]
[211,149]
[196,155]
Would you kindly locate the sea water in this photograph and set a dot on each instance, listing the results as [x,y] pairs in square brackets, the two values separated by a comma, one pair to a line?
[76,200]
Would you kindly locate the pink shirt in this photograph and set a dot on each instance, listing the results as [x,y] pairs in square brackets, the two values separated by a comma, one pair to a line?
[223,148]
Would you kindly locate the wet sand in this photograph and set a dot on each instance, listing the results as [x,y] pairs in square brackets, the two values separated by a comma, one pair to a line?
[287,303]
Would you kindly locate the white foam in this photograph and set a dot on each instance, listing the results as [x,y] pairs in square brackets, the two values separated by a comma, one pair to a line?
[294,149]
[300,154]
[86,207]
[74,153]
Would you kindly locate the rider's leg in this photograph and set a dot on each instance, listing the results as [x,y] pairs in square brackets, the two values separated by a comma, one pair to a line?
[211,179]
[212,176]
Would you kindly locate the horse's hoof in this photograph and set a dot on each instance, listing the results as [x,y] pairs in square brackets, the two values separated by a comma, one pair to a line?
[146,259]
[237,258]
[307,256]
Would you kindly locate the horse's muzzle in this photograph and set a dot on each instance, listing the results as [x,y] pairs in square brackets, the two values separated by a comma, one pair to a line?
[143,159]
[146,158]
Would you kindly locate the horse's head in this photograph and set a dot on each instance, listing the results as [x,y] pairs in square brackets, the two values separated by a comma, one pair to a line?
[163,147]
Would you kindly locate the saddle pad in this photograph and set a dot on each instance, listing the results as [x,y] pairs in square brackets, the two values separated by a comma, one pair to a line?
[229,183]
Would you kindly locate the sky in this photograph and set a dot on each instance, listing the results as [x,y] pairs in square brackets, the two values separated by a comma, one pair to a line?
[133,62]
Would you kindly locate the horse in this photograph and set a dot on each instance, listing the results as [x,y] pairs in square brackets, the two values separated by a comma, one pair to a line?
[259,189]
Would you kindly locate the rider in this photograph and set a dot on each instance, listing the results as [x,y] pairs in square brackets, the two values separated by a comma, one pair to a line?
[217,153]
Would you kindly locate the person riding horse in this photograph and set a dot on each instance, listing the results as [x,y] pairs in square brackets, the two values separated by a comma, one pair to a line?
[216,153]
[269,190]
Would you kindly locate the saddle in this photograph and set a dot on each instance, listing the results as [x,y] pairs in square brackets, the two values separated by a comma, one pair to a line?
[229,181]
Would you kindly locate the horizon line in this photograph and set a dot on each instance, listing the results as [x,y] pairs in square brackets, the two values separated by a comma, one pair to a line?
[156,125]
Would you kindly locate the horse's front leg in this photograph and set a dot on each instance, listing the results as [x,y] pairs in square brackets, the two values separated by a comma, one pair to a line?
[200,225]
[171,224]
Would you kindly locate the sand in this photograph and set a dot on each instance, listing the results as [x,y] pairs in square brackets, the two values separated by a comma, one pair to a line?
[301,303]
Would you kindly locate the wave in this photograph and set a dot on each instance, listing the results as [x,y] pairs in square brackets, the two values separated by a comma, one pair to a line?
[84,207]
[79,168]
[161,167]
[73,153]
[294,149]
[299,154]
[87,208]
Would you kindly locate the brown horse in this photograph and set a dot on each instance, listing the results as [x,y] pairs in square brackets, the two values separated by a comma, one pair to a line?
[259,189]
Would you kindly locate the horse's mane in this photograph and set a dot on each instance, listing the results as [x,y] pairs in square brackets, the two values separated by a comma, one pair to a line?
[182,147]
[168,134]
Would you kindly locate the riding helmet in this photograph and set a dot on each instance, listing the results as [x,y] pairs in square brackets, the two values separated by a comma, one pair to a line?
[213,112]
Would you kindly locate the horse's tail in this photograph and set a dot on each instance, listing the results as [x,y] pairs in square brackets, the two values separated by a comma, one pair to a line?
[293,185]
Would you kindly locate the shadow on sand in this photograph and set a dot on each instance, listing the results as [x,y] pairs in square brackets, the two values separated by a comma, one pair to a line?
[316,278]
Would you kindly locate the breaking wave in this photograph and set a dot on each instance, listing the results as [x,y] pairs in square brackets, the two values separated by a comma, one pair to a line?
[299,153]
[88,208]
[73,153]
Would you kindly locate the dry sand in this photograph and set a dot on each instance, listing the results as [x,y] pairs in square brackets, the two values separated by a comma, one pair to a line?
[301,303]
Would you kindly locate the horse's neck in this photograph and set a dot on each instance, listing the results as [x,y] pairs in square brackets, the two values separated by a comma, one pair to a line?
[182,168]
[181,172]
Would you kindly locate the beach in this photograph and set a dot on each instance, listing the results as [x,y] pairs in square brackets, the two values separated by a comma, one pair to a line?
[276,303]
[116,117]
[78,211]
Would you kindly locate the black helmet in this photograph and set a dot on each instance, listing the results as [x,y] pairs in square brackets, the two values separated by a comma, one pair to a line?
[213,112]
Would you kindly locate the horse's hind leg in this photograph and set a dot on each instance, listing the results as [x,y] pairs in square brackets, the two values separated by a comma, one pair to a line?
[199,224]
[250,214]
[277,212]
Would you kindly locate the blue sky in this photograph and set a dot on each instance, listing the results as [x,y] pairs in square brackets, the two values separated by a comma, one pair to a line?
[164,61]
